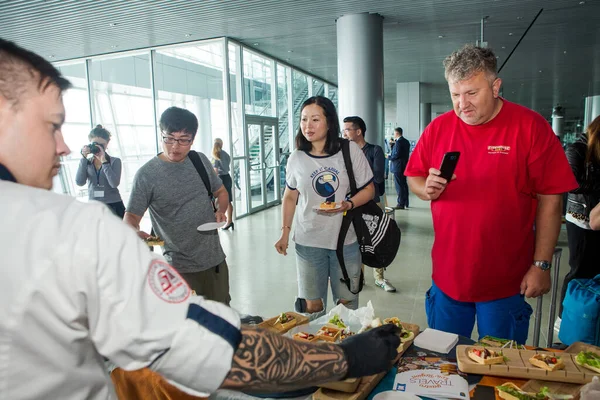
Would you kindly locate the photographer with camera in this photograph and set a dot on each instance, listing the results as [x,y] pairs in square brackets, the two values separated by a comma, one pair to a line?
[102,172]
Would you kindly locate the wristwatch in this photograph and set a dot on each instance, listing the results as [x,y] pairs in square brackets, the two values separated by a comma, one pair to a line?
[543,265]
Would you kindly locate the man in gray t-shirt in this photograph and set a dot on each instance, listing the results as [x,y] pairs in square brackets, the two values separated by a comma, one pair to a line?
[171,188]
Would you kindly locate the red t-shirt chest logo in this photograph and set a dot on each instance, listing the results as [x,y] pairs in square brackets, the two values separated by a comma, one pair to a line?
[498,149]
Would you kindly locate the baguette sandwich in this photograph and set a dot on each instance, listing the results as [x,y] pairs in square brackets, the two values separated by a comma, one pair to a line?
[547,362]
[485,356]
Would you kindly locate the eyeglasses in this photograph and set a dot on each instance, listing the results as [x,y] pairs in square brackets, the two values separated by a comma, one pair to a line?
[172,140]
[348,130]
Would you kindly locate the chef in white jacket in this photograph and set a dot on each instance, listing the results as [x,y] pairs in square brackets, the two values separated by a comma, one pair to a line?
[79,285]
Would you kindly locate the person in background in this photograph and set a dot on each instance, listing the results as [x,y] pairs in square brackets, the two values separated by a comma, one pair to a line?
[316,174]
[399,160]
[80,286]
[170,187]
[584,242]
[101,171]
[388,151]
[354,130]
[511,175]
[222,164]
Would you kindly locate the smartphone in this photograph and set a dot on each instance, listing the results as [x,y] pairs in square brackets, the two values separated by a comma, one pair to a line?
[449,164]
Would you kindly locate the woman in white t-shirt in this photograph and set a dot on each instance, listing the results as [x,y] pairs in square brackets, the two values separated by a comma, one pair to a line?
[316,174]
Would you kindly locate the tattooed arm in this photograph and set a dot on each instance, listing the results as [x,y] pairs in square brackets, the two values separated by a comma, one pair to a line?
[265,361]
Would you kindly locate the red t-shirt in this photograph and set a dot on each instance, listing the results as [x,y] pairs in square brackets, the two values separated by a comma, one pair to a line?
[483,221]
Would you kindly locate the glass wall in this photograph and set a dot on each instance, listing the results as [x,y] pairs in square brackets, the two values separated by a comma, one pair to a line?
[127,93]
[122,103]
[76,128]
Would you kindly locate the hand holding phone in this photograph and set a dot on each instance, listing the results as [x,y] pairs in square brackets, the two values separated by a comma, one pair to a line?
[449,164]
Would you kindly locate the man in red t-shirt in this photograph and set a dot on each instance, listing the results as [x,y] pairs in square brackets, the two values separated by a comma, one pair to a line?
[497,221]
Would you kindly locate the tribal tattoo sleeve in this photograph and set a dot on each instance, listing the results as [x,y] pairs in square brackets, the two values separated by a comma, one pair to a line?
[265,361]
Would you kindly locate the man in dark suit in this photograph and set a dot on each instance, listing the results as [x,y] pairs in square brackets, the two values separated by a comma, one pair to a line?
[399,159]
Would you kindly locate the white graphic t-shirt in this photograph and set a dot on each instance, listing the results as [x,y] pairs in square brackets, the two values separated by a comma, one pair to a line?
[320,179]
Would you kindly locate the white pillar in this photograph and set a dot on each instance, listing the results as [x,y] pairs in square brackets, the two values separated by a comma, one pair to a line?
[360,71]
[558,121]
[592,110]
[204,139]
[407,109]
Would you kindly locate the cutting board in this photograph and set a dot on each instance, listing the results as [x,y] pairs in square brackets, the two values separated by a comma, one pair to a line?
[367,383]
[563,388]
[518,366]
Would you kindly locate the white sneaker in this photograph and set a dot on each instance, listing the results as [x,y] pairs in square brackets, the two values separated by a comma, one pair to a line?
[385,285]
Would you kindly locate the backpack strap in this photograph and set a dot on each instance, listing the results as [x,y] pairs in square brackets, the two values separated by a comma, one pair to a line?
[348,164]
[346,221]
[339,251]
[199,165]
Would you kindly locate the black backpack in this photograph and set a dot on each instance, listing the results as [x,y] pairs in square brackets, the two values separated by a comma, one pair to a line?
[378,235]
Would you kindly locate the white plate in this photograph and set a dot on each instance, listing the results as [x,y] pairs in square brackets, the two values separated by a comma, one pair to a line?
[318,208]
[210,226]
[393,395]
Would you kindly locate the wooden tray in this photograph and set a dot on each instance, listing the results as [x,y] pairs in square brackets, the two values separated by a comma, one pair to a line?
[518,366]
[270,325]
[366,384]
[563,388]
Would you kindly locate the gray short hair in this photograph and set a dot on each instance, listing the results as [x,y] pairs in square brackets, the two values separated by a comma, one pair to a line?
[464,63]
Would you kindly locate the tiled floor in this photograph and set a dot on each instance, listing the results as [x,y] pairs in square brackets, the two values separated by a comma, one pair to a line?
[264,282]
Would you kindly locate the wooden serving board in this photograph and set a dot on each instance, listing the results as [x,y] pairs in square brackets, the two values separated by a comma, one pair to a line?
[367,383]
[518,366]
[563,388]
[270,324]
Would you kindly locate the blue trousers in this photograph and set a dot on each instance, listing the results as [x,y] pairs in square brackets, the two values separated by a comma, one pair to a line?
[401,188]
[506,318]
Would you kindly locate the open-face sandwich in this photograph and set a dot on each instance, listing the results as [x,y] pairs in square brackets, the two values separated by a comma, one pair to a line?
[304,337]
[510,391]
[284,321]
[154,241]
[589,360]
[485,356]
[405,335]
[346,333]
[498,342]
[329,333]
[337,321]
[327,205]
[547,362]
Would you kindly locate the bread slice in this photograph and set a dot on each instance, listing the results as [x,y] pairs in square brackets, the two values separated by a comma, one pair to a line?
[585,365]
[485,356]
[406,336]
[547,362]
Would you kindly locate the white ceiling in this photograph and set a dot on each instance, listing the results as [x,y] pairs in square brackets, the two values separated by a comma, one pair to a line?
[564,43]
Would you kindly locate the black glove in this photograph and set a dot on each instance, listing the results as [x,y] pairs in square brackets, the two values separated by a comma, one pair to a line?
[371,352]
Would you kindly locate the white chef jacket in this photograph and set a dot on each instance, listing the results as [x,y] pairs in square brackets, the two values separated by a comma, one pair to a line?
[78,284]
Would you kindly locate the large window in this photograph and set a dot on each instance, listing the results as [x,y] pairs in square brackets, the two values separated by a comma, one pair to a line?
[122,100]
[76,128]
[191,77]
[258,77]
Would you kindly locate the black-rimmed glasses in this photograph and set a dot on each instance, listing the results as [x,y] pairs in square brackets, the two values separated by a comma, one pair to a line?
[172,140]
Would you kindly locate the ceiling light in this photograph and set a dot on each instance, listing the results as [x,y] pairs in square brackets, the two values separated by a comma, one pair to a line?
[287,59]
[51,56]
[441,36]
[540,71]
[114,46]
[290,51]
[503,47]
[565,52]
[187,35]
[112,24]
[510,34]
[255,44]
[581,3]
[519,18]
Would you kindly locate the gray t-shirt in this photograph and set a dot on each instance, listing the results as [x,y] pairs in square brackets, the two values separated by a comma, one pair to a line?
[178,203]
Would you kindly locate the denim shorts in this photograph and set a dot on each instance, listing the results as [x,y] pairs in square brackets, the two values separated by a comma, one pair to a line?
[506,318]
[316,266]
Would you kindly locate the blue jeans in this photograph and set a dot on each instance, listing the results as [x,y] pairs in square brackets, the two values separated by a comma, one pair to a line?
[316,267]
[506,318]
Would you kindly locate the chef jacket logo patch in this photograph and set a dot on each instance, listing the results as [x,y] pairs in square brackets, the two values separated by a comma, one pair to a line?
[498,149]
[166,283]
[326,183]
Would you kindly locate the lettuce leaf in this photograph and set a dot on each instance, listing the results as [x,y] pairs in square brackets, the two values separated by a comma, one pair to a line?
[589,358]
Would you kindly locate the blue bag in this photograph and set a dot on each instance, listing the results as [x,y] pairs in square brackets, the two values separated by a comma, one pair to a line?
[581,312]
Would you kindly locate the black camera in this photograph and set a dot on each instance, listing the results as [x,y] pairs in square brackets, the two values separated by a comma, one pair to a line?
[95,147]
